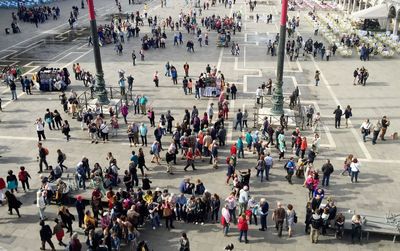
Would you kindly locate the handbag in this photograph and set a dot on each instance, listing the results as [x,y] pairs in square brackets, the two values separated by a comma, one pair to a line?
[295,218]
[167,212]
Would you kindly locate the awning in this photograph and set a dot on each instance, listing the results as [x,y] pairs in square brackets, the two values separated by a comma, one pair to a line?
[375,12]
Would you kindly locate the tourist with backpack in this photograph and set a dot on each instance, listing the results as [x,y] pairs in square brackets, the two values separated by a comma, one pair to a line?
[43,152]
[23,176]
[290,167]
[316,224]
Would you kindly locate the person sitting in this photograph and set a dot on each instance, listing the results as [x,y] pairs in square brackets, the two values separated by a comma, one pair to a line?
[55,173]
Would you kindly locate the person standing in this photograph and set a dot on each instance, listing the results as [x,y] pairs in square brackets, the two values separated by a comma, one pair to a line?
[279,216]
[243,227]
[45,236]
[13,89]
[184,243]
[376,130]
[225,219]
[338,115]
[66,218]
[233,93]
[264,207]
[356,228]
[316,224]
[80,209]
[327,170]
[40,129]
[43,152]
[355,170]
[134,57]
[317,77]
[385,124]
[186,69]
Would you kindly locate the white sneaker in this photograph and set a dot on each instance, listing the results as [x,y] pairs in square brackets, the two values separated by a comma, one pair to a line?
[202,223]
[154,228]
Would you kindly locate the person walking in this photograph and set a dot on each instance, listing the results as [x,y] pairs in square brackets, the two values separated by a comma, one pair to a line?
[243,227]
[338,115]
[66,129]
[290,168]
[61,157]
[13,203]
[365,129]
[66,218]
[58,231]
[45,236]
[189,159]
[239,118]
[316,224]
[43,152]
[291,219]
[264,207]
[347,115]
[327,170]
[12,182]
[24,177]
[279,216]
[355,170]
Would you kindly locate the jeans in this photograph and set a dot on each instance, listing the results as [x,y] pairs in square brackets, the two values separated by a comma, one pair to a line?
[365,134]
[267,168]
[185,90]
[41,213]
[155,222]
[354,175]
[240,150]
[81,181]
[325,180]
[14,94]
[243,232]
[41,135]
[337,122]
[355,232]
[197,94]
[238,122]
[232,212]
[144,139]
[225,229]
[260,172]
[263,219]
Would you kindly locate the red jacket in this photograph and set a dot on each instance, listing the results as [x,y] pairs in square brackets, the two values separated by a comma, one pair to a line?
[233,150]
[2,183]
[242,224]
[303,145]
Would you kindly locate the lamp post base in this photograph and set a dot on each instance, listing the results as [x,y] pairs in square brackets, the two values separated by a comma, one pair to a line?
[100,90]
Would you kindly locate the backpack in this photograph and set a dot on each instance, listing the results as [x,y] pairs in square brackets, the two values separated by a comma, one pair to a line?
[46,151]
[64,156]
[22,176]
[315,223]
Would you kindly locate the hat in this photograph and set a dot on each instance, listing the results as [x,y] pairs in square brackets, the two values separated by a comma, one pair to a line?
[245,188]
[158,189]
[79,198]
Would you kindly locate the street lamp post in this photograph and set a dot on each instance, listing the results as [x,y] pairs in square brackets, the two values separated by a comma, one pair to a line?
[100,88]
[277,97]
